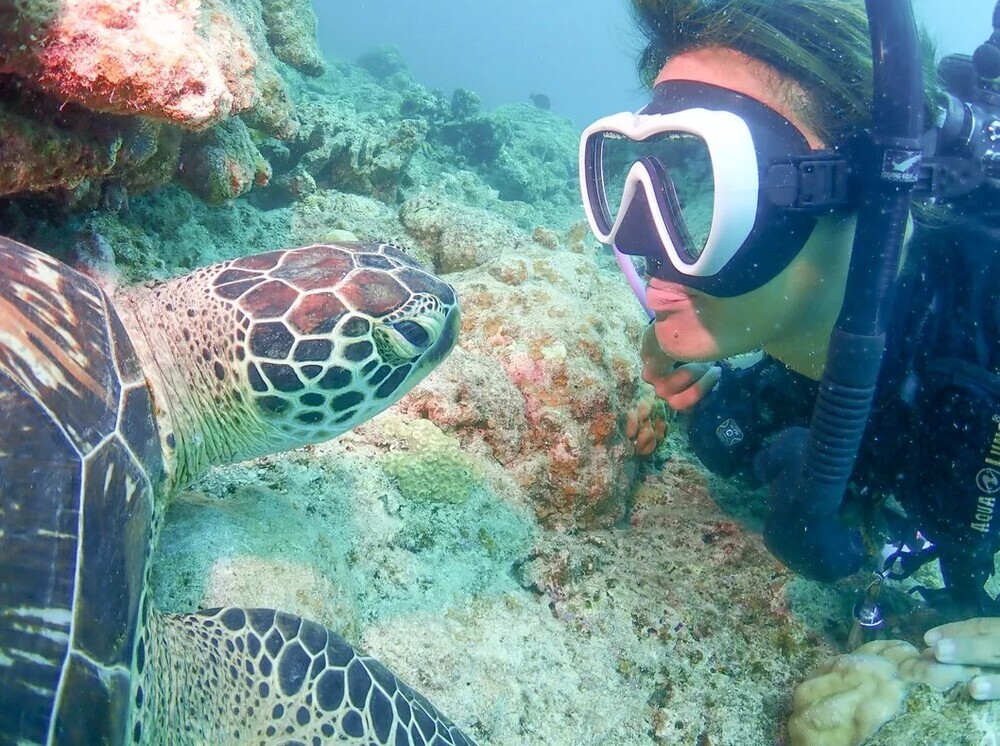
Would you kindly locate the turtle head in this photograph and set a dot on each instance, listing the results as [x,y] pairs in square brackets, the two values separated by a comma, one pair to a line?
[279,350]
[334,334]
[330,335]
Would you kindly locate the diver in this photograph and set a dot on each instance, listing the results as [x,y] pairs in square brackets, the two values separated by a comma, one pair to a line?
[746,186]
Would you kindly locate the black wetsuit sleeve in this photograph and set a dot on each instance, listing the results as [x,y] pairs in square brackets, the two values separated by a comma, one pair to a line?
[745,410]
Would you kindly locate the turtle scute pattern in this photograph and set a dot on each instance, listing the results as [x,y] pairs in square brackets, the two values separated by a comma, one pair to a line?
[318,339]
[332,332]
[79,460]
[265,677]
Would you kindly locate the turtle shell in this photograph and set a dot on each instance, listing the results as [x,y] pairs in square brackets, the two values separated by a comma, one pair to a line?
[80,463]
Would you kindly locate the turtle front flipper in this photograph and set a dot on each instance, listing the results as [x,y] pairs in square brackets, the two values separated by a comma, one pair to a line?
[257,676]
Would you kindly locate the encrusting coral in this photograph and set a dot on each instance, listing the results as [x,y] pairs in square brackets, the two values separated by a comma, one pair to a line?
[291,32]
[851,696]
[222,163]
[427,464]
[571,374]
[121,58]
[78,77]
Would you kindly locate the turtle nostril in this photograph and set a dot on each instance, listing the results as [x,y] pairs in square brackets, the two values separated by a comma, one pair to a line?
[413,333]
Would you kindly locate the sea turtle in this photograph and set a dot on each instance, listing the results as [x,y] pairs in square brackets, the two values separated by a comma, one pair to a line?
[108,409]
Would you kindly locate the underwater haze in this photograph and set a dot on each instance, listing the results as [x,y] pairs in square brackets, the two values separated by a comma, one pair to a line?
[581,55]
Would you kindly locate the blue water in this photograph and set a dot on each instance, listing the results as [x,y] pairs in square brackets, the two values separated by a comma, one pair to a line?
[581,54]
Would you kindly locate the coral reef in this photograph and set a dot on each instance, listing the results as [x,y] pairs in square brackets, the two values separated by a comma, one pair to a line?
[849,698]
[456,236]
[43,155]
[341,148]
[564,333]
[291,32]
[494,538]
[142,56]
[81,81]
[383,62]
[222,163]
[523,152]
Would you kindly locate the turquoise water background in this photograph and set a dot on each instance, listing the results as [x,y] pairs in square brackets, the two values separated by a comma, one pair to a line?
[580,54]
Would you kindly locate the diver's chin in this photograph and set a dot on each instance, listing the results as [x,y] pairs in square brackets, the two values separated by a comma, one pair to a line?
[681,334]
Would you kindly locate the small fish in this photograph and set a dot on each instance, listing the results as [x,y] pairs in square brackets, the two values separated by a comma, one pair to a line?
[540,100]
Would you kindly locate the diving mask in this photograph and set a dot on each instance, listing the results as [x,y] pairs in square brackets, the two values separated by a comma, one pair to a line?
[717,191]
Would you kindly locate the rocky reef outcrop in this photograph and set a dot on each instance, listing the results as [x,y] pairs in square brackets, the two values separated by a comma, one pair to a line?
[543,379]
[92,90]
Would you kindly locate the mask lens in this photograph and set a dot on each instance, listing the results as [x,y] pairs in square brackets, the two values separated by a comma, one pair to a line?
[682,164]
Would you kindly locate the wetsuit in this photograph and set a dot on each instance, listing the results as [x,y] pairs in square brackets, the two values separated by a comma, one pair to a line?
[933,437]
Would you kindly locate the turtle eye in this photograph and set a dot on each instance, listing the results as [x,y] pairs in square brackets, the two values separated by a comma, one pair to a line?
[413,333]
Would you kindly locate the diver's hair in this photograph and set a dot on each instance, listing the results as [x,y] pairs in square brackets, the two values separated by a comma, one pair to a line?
[823,45]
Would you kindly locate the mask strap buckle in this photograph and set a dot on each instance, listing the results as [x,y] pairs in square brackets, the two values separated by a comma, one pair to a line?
[818,181]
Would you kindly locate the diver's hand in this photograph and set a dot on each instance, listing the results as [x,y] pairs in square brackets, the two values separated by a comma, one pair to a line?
[680,385]
[974,642]
[646,423]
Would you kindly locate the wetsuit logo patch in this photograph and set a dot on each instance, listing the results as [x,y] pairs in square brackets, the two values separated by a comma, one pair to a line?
[988,480]
[729,432]
[901,166]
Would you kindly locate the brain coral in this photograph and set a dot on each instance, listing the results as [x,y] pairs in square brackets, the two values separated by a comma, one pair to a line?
[852,696]
[431,466]
[845,701]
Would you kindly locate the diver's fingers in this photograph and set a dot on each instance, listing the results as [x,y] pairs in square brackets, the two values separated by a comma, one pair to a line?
[971,651]
[632,424]
[985,687]
[983,626]
[698,380]
[646,442]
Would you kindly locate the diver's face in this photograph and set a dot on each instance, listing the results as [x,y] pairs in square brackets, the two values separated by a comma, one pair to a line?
[792,315]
